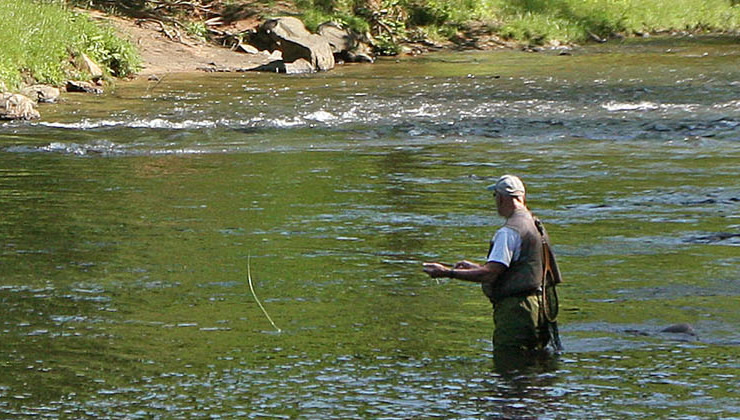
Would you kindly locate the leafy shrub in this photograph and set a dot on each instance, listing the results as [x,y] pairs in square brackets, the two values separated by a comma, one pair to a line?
[39,39]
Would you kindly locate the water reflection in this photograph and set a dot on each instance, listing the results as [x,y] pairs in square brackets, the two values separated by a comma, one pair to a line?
[510,364]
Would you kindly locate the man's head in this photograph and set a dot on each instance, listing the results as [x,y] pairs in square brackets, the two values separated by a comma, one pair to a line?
[509,192]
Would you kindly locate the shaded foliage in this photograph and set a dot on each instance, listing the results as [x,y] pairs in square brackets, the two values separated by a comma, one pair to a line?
[593,21]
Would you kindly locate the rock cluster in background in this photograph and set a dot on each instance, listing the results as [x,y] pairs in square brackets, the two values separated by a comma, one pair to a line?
[305,52]
[284,41]
[22,105]
[14,106]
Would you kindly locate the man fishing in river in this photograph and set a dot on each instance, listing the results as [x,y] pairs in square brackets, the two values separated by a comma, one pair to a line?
[519,268]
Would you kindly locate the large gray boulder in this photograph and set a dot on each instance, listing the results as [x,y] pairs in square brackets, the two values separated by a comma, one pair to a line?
[17,107]
[346,44]
[41,93]
[290,36]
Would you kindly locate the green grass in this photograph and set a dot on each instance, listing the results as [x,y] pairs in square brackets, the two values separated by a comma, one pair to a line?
[539,21]
[531,21]
[41,39]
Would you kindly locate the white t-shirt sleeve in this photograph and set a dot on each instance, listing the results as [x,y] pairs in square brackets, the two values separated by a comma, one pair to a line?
[506,246]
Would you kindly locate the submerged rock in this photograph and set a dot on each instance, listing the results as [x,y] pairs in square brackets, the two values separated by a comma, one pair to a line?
[714,238]
[682,328]
[680,332]
[41,93]
[17,107]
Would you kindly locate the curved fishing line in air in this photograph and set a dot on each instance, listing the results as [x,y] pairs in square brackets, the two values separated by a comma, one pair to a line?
[249,277]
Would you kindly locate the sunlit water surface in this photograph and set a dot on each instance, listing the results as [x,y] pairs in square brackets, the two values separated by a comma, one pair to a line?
[130,223]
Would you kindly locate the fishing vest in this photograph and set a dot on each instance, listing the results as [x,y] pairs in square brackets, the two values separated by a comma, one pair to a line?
[523,276]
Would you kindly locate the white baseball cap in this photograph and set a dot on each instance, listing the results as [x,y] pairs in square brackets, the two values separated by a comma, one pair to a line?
[509,185]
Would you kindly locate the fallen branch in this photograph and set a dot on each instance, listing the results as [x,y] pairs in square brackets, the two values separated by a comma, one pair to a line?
[378,22]
[149,90]
[181,4]
[163,28]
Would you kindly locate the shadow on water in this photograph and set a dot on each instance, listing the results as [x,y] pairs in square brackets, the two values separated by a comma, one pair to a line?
[515,364]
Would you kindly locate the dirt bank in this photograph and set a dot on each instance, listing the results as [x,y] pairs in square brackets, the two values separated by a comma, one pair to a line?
[166,51]
[162,54]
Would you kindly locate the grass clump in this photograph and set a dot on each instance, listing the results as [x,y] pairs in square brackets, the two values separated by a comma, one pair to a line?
[41,39]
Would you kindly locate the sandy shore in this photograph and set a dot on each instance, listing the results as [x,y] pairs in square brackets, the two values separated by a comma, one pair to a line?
[161,55]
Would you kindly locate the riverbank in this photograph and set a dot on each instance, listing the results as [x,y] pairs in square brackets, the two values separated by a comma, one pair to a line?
[187,36]
[162,53]
[412,27]
[151,41]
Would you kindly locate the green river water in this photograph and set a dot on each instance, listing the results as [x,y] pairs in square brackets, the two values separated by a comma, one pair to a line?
[129,222]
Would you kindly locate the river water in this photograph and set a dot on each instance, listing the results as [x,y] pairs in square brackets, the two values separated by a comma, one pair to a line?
[132,222]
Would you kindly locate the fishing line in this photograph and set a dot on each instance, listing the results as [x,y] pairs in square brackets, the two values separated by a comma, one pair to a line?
[150,89]
[249,277]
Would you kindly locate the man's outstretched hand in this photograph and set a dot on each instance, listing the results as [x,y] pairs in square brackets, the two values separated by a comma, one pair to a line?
[436,270]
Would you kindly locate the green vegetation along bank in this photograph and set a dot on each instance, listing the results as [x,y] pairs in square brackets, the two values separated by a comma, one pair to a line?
[392,22]
[42,39]
[533,22]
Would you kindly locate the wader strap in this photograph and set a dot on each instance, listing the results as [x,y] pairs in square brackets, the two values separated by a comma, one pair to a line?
[548,282]
[552,328]
[548,285]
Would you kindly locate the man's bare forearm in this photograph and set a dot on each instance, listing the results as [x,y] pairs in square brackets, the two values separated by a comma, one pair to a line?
[487,273]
